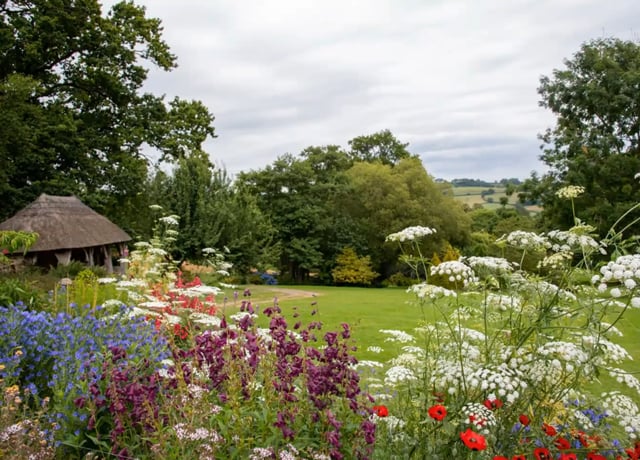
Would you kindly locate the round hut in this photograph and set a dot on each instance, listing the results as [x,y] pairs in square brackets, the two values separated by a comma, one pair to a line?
[67,230]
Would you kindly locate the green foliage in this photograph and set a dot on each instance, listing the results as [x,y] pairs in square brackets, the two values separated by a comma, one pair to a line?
[14,241]
[380,147]
[69,270]
[13,290]
[74,116]
[595,141]
[400,280]
[385,199]
[353,269]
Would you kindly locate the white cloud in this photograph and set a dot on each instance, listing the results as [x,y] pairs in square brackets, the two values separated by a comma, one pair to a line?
[456,78]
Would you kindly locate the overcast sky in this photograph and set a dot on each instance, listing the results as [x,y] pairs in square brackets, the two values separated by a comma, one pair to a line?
[457,79]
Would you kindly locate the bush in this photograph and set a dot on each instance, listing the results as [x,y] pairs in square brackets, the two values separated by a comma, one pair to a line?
[400,280]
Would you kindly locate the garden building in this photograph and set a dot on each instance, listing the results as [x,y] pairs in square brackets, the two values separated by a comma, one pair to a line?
[67,230]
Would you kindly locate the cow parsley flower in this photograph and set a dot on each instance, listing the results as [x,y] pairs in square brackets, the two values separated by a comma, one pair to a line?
[410,234]
[570,191]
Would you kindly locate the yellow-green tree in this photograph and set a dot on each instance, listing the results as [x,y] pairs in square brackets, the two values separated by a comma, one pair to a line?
[353,269]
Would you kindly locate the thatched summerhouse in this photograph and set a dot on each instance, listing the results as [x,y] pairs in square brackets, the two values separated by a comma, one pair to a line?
[68,230]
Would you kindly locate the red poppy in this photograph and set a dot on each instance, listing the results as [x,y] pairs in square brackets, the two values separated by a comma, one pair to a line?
[381,411]
[519,457]
[594,456]
[542,453]
[562,443]
[499,457]
[634,454]
[549,429]
[582,437]
[524,420]
[493,404]
[568,457]
[473,440]
[437,412]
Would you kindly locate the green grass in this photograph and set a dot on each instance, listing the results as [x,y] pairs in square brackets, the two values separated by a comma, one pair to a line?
[368,310]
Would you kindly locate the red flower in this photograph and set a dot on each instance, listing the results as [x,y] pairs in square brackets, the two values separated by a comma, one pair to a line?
[542,453]
[381,411]
[519,457]
[549,429]
[562,443]
[499,457]
[438,412]
[492,404]
[634,454]
[473,440]
[594,456]
[524,420]
[568,457]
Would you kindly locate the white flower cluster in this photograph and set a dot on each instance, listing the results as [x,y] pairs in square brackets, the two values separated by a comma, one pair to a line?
[398,374]
[446,375]
[470,334]
[624,273]
[503,302]
[556,261]
[424,290]
[479,416]
[203,318]
[470,353]
[612,352]
[494,265]
[540,288]
[570,191]
[237,317]
[502,381]
[184,432]
[622,376]
[170,220]
[411,234]
[397,336]
[455,271]
[524,240]
[368,363]
[393,423]
[571,240]
[569,352]
[405,359]
[375,349]
[624,410]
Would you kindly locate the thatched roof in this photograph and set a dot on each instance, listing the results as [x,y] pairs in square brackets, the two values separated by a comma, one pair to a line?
[64,222]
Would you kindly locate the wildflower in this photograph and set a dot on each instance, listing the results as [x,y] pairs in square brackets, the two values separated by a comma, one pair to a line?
[493,404]
[549,430]
[571,456]
[499,457]
[438,412]
[594,456]
[473,440]
[410,234]
[570,191]
[524,420]
[542,453]
[562,444]
[381,411]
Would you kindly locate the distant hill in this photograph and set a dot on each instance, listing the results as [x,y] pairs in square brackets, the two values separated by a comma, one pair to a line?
[465,182]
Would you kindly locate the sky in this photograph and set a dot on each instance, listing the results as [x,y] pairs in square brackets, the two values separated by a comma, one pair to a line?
[456,79]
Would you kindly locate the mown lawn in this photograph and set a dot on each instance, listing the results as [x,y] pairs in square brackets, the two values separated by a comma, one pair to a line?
[368,310]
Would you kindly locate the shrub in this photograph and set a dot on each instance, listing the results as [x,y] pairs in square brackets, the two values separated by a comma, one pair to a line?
[401,280]
[352,269]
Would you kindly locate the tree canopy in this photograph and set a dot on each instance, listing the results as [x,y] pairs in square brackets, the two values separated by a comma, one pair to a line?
[596,138]
[74,117]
